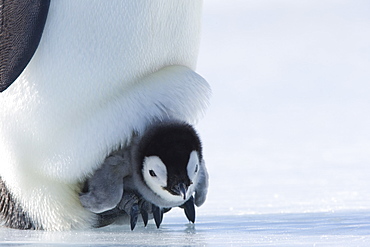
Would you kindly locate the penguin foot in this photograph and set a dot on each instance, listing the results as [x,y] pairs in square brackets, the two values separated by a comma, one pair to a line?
[133,205]
[189,209]
[142,207]
[130,205]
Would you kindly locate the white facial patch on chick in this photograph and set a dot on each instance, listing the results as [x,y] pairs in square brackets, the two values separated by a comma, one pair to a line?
[155,173]
[193,166]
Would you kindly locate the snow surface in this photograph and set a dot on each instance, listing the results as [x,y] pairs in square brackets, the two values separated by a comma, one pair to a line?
[286,139]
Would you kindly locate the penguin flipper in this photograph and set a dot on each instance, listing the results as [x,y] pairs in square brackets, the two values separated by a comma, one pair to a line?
[21,27]
[104,190]
[202,185]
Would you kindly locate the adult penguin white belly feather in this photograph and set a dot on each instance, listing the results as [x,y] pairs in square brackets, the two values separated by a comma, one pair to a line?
[101,70]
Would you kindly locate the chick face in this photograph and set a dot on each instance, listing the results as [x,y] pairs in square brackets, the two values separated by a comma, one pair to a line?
[172,181]
[170,159]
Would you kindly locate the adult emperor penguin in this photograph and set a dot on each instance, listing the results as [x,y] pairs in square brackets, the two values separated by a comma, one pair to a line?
[78,78]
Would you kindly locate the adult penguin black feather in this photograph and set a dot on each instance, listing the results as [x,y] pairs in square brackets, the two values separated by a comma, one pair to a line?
[21,27]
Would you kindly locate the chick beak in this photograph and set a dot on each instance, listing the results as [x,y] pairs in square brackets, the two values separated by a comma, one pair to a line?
[181,190]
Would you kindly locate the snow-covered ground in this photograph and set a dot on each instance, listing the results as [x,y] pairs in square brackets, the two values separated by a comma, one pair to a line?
[287,136]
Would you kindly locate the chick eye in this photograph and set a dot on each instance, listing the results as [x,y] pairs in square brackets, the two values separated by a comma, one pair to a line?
[196,169]
[152,173]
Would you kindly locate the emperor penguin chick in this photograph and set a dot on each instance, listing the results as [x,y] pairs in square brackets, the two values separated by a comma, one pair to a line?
[163,167]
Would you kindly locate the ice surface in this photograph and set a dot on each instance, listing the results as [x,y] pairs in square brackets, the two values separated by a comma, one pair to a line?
[301,229]
[286,139]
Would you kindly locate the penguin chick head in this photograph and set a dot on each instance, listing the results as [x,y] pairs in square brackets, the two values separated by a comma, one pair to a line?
[170,157]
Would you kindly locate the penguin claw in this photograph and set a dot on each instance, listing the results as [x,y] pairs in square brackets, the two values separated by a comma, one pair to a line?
[157,214]
[134,213]
[133,204]
[144,216]
[189,209]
